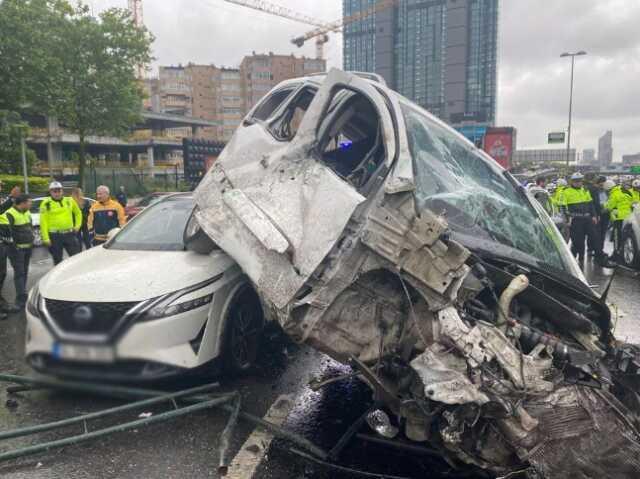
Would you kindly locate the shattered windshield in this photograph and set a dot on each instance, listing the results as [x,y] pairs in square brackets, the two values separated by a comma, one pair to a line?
[478,200]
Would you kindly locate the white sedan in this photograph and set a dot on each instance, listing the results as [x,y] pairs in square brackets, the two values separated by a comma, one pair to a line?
[142,307]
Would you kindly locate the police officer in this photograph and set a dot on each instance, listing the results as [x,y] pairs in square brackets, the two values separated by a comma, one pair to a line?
[620,204]
[561,185]
[5,237]
[60,220]
[579,208]
[635,190]
[17,222]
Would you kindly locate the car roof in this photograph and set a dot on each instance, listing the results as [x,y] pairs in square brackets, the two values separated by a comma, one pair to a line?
[318,78]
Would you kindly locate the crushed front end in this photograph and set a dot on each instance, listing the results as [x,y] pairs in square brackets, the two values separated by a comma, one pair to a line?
[431,273]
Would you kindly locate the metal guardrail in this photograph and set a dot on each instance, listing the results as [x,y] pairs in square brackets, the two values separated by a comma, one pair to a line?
[198,399]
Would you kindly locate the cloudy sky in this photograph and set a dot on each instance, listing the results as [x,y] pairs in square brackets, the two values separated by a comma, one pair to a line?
[533,80]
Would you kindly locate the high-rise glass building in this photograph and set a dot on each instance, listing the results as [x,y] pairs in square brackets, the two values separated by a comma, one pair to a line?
[442,54]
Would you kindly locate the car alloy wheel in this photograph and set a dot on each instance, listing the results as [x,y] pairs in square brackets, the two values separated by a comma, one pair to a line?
[629,250]
[244,330]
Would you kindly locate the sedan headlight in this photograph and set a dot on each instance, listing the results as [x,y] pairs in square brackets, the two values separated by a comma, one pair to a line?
[169,305]
[164,311]
[33,303]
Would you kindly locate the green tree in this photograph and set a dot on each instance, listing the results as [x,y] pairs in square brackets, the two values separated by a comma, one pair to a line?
[103,96]
[12,130]
[63,61]
[32,52]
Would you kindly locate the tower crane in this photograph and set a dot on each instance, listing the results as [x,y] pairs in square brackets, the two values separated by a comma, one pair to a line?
[320,33]
[135,7]
[283,12]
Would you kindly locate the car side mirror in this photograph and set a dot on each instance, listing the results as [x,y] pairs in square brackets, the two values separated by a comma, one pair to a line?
[112,232]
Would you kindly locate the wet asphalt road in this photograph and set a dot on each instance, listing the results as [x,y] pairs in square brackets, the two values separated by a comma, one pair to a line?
[186,447]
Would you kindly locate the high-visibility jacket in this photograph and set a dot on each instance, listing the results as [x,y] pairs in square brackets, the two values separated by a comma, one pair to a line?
[635,193]
[620,203]
[578,202]
[19,227]
[103,217]
[59,216]
[557,195]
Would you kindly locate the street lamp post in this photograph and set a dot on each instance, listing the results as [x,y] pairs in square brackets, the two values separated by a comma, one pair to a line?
[23,154]
[573,57]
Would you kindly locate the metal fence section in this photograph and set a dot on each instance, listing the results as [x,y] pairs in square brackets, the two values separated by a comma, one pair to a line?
[137,181]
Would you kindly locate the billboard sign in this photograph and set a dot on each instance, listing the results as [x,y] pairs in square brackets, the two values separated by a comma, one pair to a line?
[556,137]
[499,144]
[475,134]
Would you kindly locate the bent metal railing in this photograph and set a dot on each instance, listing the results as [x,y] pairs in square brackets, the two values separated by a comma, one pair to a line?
[197,399]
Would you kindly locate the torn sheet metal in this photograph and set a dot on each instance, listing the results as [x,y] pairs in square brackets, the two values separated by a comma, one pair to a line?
[371,276]
[445,378]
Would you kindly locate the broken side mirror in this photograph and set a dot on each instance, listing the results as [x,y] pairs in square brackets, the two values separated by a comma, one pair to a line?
[194,237]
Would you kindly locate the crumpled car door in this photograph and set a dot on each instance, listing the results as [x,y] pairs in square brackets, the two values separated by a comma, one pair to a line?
[273,206]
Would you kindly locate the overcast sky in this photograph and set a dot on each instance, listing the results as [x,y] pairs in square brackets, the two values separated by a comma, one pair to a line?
[533,92]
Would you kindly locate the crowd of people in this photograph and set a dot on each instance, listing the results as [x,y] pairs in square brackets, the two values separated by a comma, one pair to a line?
[67,223]
[590,206]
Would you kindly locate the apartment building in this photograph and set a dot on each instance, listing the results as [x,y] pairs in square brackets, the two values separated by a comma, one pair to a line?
[225,95]
[261,72]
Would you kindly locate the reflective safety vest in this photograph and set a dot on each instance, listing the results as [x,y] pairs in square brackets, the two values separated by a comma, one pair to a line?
[557,197]
[20,227]
[636,195]
[62,216]
[578,202]
[620,203]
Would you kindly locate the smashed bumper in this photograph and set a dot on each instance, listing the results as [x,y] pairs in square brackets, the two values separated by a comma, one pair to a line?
[497,373]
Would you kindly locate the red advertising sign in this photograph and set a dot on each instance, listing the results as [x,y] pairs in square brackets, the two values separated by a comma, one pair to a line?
[499,143]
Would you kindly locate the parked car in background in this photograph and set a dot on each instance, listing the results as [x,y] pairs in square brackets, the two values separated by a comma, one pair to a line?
[631,240]
[35,216]
[142,307]
[148,200]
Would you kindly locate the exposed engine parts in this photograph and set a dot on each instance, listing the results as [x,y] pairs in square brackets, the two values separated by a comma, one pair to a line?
[495,359]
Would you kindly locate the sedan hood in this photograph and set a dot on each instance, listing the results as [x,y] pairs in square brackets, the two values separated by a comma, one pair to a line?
[106,275]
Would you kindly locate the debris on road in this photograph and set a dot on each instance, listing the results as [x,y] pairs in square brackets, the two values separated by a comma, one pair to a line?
[416,260]
[198,398]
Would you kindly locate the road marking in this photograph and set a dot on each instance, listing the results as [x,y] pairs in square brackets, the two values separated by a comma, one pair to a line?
[245,463]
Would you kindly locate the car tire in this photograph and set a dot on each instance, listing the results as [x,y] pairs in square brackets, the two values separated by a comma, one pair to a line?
[194,237]
[630,256]
[244,325]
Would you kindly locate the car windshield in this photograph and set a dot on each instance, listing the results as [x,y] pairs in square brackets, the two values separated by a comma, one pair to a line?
[150,200]
[158,228]
[480,202]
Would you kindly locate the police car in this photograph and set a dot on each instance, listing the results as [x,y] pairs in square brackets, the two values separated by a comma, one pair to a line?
[142,307]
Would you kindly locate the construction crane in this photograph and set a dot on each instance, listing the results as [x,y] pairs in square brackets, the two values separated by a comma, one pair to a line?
[135,7]
[283,12]
[320,33]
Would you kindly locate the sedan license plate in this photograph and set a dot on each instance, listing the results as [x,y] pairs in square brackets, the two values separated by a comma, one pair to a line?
[83,352]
